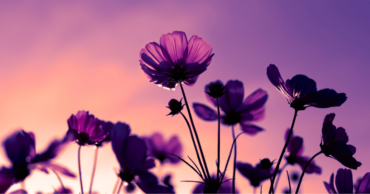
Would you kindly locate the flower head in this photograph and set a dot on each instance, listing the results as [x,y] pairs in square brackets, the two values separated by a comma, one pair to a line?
[265,164]
[225,187]
[334,143]
[215,89]
[255,175]
[160,149]
[175,59]
[344,183]
[301,91]
[295,149]
[88,129]
[235,109]
[175,107]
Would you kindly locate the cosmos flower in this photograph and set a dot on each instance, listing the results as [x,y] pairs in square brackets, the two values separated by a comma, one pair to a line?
[225,187]
[334,143]
[20,150]
[235,110]
[175,59]
[88,129]
[255,175]
[265,164]
[295,149]
[175,107]
[215,89]
[301,91]
[158,148]
[344,183]
[131,153]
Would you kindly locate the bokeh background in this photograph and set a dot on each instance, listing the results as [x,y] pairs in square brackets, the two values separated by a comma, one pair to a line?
[58,57]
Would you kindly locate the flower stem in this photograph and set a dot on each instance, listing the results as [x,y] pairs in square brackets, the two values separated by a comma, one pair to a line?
[304,170]
[120,186]
[94,167]
[79,168]
[195,146]
[283,151]
[195,132]
[234,166]
[115,186]
[279,175]
[59,179]
[218,142]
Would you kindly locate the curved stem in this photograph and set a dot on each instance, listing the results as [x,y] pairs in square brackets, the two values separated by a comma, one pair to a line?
[283,151]
[234,166]
[304,170]
[94,167]
[79,168]
[195,146]
[59,179]
[228,158]
[195,132]
[218,143]
[279,175]
[120,186]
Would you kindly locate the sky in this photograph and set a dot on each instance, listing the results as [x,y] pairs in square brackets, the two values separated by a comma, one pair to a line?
[58,57]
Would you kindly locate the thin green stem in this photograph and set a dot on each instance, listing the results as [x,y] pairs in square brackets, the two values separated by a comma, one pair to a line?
[218,142]
[195,132]
[304,170]
[59,179]
[94,168]
[79,168]
[283,151]
[120,186]
[234,166]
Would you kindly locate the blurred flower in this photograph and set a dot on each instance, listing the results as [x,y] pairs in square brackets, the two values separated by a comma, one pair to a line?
[64,190]
[225,187]
[236,111]
[159,149]
[175,59]
[131,153]
[295,149]
[20,150]
[175,107]
[334,143]
[215,89]
[344,183]
[107,127]
[88,129]
[295,176]
[301,91]
[19,191]
[255,175]
[265,164]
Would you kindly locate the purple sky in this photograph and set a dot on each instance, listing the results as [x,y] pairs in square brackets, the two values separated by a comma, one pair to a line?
[60,57]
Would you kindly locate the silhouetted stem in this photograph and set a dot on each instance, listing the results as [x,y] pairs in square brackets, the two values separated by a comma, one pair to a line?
[195,146]
[304,170]
[234,166]
[115,186]
[79,168]
[218,143]
[120,186]
[94,167]
[195,132]
[59,179]
[279,175]
[283,151]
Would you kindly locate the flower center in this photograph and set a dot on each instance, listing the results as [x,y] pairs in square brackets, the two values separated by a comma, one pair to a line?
[83,138]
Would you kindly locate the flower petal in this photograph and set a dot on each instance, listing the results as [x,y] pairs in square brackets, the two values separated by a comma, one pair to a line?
[250,129]
[364,186]
[6,179]
[174,147]
[175,44]
[56,167]
[302,86]
[326,98]
[254,101]
[233,97]
[198,50]
[120,133]
[20,147]
[275,78]
[153,56]
[134,153]
[204,112]
[330,187]
[295,146]
[343,181]
[341,135]
[312,167]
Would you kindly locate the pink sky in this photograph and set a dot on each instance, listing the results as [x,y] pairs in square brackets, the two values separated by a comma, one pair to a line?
[60,57]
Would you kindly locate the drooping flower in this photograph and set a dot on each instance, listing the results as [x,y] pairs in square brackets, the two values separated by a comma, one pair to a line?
[131,153]
[295,149]
[160,149]
[88,129]
[301,91]
[225,187]
[215,89]
[20,150]
[255,175]
[235,110]
[176,59]
[334,143]
[344,183]
[175,106]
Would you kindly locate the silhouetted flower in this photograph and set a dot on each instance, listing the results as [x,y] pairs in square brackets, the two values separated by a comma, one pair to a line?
[295,149]
[255,175]
[88,129]
[225,187]
[301,91]
[20,150]
[215,89]
[265,164]
[236,111]
[175,59]
[344,183]
[64,190]
[159,149]
[334,143]
[131,153]
[175,107]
